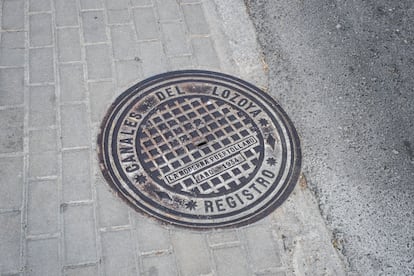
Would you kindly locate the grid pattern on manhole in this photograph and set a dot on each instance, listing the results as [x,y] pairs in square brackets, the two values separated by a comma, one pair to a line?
[170,137]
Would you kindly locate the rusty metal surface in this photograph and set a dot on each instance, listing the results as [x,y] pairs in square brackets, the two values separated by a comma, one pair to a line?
[199,149]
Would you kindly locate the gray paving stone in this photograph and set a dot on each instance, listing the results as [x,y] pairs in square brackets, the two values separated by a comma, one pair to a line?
[205,54]
[141,2]
[42,140]
[175,39]
[82,271]
[41,65]
[118,253]
[10,235]
[72,87]
[43,257]
[127,72]
[146,24]
[11,139]
[40,29]
[11,182]
[42,106]
[11,86]
[79,234]
[231,261]
[261,247]
[43,164]
[11,130]
[42,207]
[93,26]
[76,175]
[151,236]
[101,95]
[112,211]
[180,62]
[189,260]
[75,130]
[66,13]
[13,14]
[68,44]
[90,4]
[153,58]
[168,9]
[159,265]
[123,42]
[12,49]
[118,16]
[11,117]
[222,237]
[39,5]
[195,19]
[99,64]
[116,4]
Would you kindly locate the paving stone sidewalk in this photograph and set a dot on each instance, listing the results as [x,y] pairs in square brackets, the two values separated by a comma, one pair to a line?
[62,62]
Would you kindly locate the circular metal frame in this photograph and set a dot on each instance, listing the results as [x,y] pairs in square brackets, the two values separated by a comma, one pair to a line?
[199,149]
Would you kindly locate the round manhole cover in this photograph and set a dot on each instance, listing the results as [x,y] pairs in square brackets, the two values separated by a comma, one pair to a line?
[199,149]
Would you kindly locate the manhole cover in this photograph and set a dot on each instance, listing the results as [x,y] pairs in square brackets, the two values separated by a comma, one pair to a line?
[199,149]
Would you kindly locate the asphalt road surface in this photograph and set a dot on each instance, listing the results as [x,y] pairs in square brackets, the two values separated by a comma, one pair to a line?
[344,72]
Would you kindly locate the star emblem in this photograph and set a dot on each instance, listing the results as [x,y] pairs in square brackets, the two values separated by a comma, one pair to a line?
[140,178]
[271,161]
[191,205]
[263,122]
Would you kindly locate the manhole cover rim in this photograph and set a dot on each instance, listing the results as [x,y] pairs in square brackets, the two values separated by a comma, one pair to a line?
[264,210]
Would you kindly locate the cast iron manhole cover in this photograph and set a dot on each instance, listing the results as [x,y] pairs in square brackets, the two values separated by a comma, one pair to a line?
[199,149]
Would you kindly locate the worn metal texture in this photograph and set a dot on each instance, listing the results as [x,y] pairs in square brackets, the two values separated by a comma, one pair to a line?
[199,149]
